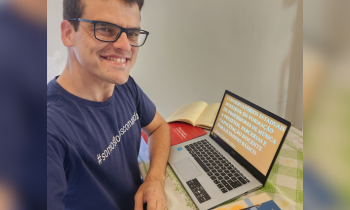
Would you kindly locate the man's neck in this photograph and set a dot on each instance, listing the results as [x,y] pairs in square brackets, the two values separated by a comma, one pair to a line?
[85,85]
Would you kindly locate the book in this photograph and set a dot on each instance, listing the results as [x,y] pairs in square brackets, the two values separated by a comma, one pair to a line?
[257,202]
[198,114]
[180,132]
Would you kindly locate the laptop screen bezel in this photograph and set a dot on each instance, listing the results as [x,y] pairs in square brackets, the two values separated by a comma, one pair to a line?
[234,154]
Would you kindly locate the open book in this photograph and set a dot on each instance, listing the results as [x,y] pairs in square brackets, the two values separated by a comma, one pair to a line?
[198,114]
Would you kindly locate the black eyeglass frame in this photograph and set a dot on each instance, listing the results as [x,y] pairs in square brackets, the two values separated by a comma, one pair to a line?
[126,30]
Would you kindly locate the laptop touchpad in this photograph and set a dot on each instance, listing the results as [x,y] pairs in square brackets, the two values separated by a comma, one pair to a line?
[187,169]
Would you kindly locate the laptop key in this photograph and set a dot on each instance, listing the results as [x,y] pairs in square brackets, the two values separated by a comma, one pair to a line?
[220,186]
[223,190]
[219,177]
[213,177]
[226,185]
[235,184]
[242,180]
[216,181]
[202,164]
[210,174]
[226,177]
[223,174]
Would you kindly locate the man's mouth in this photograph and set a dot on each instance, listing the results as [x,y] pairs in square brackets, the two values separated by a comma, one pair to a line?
[115,59]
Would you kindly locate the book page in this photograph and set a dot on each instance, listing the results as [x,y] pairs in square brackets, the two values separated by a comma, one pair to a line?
[208,117]
[255,200]
[188,113]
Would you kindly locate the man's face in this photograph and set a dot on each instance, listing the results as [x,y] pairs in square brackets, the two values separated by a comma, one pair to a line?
[106,61]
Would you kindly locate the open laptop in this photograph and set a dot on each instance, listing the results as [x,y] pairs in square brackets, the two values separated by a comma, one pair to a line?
[237,156]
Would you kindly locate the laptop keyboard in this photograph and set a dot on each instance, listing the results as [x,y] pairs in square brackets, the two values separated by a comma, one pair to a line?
[219,169]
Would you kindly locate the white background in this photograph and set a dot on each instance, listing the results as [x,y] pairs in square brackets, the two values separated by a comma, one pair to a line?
[199,48]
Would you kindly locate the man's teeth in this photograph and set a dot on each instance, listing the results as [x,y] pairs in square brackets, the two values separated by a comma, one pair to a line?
[118,60]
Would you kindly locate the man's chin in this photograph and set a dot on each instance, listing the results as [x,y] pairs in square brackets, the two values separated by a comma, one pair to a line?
[121,81]
[116,76]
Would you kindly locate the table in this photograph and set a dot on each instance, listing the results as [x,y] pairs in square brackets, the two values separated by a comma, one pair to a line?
[284,185]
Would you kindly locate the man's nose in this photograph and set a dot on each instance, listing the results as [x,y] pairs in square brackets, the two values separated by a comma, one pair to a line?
[122,43]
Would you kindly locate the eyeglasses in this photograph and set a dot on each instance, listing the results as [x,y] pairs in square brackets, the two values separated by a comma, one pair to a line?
[109,32]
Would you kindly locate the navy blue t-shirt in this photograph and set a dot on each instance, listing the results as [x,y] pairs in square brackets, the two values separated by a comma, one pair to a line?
[92,148]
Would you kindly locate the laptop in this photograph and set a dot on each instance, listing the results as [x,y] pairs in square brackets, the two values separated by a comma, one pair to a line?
[235,158]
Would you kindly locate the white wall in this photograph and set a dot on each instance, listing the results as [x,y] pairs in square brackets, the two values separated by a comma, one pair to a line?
[199,48]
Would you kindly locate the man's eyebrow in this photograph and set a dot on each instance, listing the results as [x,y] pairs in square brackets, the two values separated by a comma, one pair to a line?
[106,22]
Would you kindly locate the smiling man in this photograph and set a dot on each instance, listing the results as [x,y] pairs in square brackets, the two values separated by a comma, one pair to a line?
[95,113]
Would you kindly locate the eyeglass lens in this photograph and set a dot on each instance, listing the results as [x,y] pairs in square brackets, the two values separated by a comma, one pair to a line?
[108,32]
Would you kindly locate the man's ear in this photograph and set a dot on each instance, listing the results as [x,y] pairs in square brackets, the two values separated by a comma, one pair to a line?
[67,33]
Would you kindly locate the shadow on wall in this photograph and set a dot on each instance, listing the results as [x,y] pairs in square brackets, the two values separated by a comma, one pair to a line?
[292,70]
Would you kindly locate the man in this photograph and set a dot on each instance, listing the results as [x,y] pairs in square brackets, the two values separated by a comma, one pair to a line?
[96,111]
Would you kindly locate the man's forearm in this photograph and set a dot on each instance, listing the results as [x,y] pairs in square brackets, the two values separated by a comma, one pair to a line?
[159,148]
[152,190]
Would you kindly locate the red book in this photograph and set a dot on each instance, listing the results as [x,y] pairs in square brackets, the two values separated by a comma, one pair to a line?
[180,132]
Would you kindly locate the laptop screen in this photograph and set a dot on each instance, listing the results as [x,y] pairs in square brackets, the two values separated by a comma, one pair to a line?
[250,132]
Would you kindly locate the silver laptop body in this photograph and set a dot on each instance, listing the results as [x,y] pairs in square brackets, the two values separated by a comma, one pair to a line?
[197,177]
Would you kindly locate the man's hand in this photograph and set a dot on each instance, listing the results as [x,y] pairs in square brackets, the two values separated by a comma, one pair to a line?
[152,192]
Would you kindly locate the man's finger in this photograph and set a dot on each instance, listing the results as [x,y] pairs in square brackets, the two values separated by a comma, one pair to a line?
[139,200]
[151,202]
[164,205]
[159,205]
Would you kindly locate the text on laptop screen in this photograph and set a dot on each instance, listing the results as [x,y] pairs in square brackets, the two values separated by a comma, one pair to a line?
[254,135]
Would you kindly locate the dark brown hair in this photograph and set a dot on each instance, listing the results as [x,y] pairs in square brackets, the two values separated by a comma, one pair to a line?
[75,9]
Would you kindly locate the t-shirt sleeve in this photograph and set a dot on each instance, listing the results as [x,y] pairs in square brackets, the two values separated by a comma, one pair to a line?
[56,179]
[145,107]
